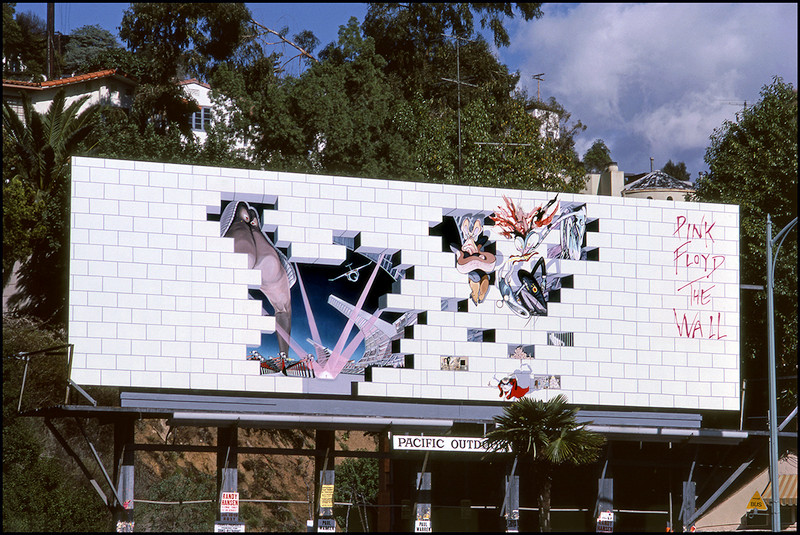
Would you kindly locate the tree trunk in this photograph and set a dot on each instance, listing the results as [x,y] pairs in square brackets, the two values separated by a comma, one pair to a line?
[544,503]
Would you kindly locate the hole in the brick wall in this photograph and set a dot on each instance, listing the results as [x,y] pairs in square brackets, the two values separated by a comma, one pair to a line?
[593,254]
[463,306]
[481,335]
[453,363]
[517,351]
[554,296]
[448,231]
[408,332]
[422,318]
[409,361]
[592,225]
[567,281]
[565,339]
[450,304]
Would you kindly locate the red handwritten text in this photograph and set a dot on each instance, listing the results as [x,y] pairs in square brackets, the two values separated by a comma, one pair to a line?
[696,261]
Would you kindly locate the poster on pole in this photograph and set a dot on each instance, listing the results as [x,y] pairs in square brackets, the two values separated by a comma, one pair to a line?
[229,503]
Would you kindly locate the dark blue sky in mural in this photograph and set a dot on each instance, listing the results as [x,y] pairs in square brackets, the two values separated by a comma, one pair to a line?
[330,322]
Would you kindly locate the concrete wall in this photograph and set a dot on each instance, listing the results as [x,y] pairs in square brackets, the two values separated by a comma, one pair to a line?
[659,194]
[608,183]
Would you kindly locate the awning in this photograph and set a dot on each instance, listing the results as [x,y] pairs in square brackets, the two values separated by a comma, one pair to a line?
[787,485]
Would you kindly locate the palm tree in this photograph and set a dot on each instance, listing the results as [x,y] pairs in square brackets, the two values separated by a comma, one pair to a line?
[546,434]
[41,144]
[36,157]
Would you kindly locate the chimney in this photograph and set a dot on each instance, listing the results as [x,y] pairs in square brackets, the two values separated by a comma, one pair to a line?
[651,164]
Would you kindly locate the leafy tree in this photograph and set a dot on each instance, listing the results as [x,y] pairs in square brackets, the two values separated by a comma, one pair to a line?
[356,483]
[184,38]
[345,106]
[182,485]
[597,157]
[12,37]
[36,157]
[546,435]
[677,170]
[175,40]
[431,129]
[116,58]
[753,163]
[42,489]
[24,45]
[85,43]
[411,37]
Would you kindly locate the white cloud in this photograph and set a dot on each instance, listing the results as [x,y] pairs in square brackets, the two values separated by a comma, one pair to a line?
[655,79]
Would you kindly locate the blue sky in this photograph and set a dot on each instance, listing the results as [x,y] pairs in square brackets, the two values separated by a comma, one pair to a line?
[651,80]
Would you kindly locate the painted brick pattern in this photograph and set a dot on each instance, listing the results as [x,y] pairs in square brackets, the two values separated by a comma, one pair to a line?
[158,299]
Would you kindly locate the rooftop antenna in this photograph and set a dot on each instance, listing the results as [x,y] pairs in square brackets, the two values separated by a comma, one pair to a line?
[458,83]
[539,80]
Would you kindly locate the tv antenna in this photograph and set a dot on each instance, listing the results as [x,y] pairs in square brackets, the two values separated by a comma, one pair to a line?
[458,83]
[539,80]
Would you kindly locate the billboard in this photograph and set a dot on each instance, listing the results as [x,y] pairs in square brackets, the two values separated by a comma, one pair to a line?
[190,277]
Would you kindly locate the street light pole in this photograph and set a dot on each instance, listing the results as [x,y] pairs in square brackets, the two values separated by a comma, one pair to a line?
[773,390]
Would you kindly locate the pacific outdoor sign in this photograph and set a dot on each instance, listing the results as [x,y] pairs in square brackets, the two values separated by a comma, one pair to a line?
[439,443]
[211,279]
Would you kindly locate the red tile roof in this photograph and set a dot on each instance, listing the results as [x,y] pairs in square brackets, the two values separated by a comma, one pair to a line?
[195,81]
[70,80]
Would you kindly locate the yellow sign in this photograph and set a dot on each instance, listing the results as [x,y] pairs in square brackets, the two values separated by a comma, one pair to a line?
[757,503]
[326,497]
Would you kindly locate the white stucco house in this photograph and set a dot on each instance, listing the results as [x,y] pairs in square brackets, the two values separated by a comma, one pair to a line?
[110,86]
[201,119]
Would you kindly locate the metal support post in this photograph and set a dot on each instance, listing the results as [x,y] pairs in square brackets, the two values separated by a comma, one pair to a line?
[124,455]
[326,522]
[511,503]
[605,505]
[688,503]
[422,518]
[323,512]
[775,509]
[227,469]
[385,488]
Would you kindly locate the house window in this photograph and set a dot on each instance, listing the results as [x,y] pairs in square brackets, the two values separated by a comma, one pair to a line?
[15,104]
[201,120]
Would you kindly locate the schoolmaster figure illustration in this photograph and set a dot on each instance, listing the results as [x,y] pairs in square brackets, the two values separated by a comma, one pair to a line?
[240,222]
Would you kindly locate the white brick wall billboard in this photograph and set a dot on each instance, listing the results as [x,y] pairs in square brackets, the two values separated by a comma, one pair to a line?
[189,277]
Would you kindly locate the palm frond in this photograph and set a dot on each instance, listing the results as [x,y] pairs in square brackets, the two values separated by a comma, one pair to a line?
[544,431]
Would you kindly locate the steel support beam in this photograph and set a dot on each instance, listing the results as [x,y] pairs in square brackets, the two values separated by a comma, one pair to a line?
[227,464]
[124,456]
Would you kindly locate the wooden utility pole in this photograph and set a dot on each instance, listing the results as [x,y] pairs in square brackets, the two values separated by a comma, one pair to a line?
[539,80]
[51,36]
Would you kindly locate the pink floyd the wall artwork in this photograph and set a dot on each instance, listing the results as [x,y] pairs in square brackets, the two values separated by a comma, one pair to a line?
[213,279]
